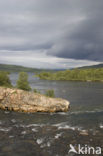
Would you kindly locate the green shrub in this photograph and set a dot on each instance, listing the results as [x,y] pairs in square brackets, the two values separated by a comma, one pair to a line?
[22,82]
[36,91]
[4,79]
[50,93]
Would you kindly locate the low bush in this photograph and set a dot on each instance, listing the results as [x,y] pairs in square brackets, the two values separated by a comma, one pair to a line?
[36,91]
[50,93]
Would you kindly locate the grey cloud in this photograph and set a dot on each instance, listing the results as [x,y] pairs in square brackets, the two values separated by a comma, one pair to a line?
[61,28]
[28,47]
[85,40]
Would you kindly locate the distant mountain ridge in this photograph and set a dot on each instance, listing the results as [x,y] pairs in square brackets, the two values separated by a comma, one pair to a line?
[17,68]
[92,66]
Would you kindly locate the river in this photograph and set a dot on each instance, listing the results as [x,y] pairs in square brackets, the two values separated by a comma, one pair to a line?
[50,134]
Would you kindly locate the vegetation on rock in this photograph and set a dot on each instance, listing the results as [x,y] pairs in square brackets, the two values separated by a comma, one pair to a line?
[36,91]
[50,93]
[22,82]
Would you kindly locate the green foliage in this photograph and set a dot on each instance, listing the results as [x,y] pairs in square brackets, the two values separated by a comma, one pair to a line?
[22,82]
[45,75]
[50,93]
[91,74]
[36,91]
[4,79]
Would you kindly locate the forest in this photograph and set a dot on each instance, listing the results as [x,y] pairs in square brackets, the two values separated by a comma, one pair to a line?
[90,74]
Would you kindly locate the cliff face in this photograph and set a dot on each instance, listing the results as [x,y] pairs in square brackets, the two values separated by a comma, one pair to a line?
[23,101]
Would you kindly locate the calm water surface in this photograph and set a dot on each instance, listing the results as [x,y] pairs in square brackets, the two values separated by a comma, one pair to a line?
[44,134]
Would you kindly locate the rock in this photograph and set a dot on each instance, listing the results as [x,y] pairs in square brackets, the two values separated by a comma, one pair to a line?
[23,101]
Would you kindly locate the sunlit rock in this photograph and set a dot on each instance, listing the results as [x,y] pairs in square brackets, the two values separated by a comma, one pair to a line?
[23,101]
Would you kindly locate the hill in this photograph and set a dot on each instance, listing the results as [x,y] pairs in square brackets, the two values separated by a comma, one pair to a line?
[93,66]
[16,68]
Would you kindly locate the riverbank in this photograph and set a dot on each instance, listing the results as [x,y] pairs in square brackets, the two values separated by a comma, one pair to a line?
[24,101]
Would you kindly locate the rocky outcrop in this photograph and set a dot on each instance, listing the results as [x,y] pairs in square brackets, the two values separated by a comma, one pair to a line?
[23,101]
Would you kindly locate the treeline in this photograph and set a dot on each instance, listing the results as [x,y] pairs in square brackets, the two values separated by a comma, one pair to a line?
[74,75]
[16,68]
[22,83]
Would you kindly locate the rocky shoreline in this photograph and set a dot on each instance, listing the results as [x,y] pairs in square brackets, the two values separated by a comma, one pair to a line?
[23,101]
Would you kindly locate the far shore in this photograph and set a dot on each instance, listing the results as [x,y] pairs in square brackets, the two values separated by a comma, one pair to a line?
[86,75]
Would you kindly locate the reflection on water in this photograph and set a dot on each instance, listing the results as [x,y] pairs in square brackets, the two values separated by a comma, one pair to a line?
[43,134]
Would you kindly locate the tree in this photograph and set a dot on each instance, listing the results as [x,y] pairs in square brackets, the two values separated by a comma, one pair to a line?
[22,82]
[4,79]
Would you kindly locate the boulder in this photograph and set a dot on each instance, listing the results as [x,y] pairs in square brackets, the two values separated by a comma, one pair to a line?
[24,101]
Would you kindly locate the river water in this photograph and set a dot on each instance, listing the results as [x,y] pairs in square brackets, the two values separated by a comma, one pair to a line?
[50,134]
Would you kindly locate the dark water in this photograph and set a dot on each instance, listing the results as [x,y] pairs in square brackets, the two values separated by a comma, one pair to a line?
[43,134]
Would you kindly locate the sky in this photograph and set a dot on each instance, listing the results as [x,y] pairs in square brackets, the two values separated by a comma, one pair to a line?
[51,33]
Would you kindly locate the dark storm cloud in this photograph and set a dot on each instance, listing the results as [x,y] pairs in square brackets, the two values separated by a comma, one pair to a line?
[61,28]
[85,39]
[85,42]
